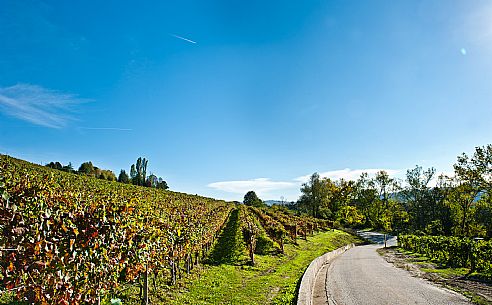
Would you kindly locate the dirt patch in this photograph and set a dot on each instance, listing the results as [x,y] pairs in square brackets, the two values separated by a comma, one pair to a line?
[479,291]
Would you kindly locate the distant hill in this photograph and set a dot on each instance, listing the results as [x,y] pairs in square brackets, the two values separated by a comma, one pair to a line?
[272,202]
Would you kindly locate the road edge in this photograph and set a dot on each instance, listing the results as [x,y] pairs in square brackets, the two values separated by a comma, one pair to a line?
[305,294]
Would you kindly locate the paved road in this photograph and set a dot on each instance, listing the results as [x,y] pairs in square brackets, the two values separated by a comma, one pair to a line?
[361,276]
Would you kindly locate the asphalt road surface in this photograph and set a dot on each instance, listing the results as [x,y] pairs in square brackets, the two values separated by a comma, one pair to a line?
[361,276]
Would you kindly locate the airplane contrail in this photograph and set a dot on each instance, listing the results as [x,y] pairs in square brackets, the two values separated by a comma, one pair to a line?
[106,128]
[183,38]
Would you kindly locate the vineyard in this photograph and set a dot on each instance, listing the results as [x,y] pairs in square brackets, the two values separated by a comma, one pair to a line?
[70,239]
[452,251]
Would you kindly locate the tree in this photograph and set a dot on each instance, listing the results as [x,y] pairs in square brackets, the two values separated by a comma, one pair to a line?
[123,177]
[152,181]
[419,197]
[86,168]
[483,214]
[133,173]
[386,188]
[68,168]
[342,195]
[55,165]
[365,197]
[462,198]
[311,195]
[161,184]
[138,171]
[477,170]
[251,199]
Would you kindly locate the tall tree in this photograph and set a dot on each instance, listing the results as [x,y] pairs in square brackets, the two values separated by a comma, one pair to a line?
[462,198]
[133,174]
[123,177]
[139,171]
[311,198]
[366,196]
[386,188]
[419,197]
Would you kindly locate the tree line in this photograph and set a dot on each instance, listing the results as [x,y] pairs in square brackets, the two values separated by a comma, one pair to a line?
[459,204]
[138,173]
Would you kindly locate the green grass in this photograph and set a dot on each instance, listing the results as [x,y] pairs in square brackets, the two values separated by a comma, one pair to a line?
[444,271]
[272,280]
[448,272]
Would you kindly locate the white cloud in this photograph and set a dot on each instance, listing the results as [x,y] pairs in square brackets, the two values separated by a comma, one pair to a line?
[38,105]
[262,186]
[347,174]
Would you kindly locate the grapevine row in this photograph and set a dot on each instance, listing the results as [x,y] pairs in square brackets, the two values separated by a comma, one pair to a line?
[451,251]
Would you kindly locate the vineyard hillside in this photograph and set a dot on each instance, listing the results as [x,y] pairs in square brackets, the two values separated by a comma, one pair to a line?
[73,239]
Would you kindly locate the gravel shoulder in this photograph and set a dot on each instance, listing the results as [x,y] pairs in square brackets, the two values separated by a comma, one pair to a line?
[479,291]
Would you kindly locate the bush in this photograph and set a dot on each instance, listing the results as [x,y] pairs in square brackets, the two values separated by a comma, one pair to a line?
[451,251]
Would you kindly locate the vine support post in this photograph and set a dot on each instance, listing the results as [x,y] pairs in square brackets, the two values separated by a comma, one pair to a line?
[146,286]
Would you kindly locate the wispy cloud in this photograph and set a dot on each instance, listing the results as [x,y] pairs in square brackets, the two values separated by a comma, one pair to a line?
[106,128]
[183,38]
[38,105]
[347,174]
[260,185]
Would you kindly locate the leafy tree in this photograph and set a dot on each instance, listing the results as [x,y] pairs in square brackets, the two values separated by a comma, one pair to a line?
[251,199]
[365,197]
[54,165]
[342,194]
[138,171]
[105,174]
[311,198]
[86,168]
[123,177]
[133,173]
[349,215]
[462,200]
[161,184]
[152,180]
[59,166]
[68,168]
[477,170]
[418,195]
[483,214]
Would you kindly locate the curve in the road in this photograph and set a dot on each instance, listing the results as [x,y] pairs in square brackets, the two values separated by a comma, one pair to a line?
[361,276]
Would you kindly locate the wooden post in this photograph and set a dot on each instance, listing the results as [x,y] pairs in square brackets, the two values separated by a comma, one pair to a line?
[146,286]
[385,240]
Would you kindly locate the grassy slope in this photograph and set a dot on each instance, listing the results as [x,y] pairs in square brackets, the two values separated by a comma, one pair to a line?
[273,277]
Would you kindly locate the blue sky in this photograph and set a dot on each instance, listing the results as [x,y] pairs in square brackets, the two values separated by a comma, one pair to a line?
[227,96]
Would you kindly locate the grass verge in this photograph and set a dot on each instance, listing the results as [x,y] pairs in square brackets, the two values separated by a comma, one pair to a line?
[273,280]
